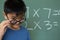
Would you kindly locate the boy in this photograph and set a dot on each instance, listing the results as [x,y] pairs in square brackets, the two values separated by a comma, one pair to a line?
[14,13]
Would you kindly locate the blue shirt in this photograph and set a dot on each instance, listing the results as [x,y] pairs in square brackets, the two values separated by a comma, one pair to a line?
[21,34]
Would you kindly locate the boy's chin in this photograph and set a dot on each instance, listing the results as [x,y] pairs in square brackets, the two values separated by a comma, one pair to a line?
[16,26]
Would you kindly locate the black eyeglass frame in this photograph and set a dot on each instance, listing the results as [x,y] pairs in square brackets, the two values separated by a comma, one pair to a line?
[14,21]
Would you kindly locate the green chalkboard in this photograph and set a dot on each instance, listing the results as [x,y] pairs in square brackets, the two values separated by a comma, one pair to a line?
[42,19]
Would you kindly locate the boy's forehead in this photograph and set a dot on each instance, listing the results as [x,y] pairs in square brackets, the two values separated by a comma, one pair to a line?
[14,15]
[11,14]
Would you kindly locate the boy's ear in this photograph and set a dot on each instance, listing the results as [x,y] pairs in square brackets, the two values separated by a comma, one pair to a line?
[4,15]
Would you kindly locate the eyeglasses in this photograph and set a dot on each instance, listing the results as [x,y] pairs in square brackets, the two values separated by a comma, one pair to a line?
[14,20]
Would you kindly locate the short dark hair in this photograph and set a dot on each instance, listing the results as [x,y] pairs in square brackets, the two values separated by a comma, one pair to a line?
[15,6]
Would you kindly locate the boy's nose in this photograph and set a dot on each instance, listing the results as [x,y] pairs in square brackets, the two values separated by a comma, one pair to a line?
[18,23]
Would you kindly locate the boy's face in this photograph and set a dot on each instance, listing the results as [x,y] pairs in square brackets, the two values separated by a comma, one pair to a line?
[15,20]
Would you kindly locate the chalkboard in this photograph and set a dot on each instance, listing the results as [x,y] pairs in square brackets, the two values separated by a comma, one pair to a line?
[42,19]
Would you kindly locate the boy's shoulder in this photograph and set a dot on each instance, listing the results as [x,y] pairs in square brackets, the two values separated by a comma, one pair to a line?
[24,28]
